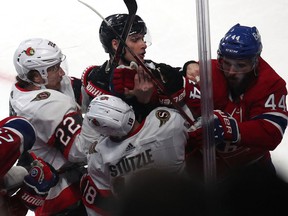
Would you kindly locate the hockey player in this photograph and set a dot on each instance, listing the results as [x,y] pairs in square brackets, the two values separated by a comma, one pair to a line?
[128,82]
[129,147]
[17,135]
[57,119]
[252,100]
[71,86]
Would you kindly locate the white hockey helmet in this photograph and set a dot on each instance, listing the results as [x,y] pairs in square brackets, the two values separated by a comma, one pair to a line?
[36,54]
[111,115]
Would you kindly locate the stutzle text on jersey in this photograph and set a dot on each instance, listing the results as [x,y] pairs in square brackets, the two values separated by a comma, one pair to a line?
[129,164]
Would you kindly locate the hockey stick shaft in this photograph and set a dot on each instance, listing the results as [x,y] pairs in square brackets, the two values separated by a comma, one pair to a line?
[132,9]
[152,76]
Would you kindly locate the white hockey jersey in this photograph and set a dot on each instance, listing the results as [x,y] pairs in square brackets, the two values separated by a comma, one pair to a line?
[57,121]
[159,143]
[45,109]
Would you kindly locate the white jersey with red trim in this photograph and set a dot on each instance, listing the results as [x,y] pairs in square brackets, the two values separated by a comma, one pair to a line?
[57,121]
[45,109]
[158,143]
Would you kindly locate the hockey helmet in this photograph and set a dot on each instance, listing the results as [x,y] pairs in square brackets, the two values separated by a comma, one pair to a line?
[240,42]
[111,115]
[36,54]
[117,22]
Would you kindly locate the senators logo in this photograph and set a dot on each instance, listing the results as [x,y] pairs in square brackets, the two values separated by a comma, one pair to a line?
[42,96]
[30,51]
[163,116]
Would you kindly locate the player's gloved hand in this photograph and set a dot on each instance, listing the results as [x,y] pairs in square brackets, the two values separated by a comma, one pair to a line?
[24,127]
[225,128]
[42,176]
[123,77]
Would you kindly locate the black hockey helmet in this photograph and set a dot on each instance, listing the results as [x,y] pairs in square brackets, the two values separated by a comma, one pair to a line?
[117,21]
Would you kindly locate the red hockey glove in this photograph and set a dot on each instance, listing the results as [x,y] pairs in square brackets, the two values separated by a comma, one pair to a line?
[225,128]
[123,77]
[42,176]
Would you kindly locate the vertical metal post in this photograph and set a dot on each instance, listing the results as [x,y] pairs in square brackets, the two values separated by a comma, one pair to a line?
[207,107]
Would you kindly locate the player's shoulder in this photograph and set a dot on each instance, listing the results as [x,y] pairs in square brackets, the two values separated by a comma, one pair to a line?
[268,75]
[88,73]
[48,99]
[91,72]
[163,114]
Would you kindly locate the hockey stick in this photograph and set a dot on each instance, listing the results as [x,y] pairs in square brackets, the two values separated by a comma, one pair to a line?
[152,76]
[132,8]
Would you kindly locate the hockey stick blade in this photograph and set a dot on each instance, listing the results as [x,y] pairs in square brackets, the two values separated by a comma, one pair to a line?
[131,6]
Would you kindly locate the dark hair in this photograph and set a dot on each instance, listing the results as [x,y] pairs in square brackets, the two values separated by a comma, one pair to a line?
[30,76]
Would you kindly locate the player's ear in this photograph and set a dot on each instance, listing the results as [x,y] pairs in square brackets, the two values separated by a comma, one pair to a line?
[114,44]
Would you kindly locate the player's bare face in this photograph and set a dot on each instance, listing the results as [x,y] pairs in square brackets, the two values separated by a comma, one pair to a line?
[55,74]
[235,71]
[137,44]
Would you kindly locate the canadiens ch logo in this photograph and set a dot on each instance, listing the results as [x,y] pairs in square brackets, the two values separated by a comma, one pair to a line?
[163,116]
[42,96]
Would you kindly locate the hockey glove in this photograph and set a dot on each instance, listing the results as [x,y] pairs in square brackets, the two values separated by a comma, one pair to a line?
[123,77]
[42,176]
[225,128]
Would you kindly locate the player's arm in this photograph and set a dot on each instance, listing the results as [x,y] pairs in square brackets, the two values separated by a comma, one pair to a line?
[17,135]
[172,81]
[268,119]
[94,82]
[66,134]
[98,200]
